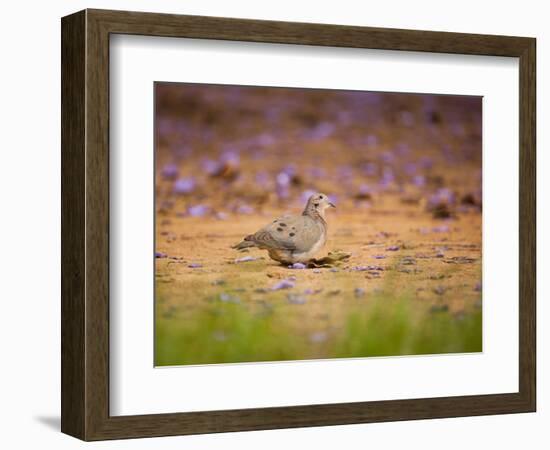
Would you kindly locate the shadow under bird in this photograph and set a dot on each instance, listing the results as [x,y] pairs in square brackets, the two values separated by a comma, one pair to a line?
[293,239]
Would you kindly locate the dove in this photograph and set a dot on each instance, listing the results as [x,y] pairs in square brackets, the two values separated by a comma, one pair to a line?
[293,239]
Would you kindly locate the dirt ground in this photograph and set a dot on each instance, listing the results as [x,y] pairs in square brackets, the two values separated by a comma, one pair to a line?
[404,172]
[439,265]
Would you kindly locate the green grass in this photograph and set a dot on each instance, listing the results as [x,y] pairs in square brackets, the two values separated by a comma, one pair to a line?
[392,328]
[226,333]
[385,326]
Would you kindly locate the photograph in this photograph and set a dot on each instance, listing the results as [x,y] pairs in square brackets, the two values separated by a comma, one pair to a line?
[306,224]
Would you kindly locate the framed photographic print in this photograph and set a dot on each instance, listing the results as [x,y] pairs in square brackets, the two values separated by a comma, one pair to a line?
[270,224]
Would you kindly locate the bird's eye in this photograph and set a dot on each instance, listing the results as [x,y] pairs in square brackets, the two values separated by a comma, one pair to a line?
[321,197]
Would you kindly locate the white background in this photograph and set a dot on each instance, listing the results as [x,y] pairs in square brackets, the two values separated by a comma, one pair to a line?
[29,177]
[136,387]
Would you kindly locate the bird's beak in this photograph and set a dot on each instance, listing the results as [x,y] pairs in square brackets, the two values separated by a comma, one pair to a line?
[332,205]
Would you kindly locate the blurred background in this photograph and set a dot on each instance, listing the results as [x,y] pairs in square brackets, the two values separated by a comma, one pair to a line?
[225,150]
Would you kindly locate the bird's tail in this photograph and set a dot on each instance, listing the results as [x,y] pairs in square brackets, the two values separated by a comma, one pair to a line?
[247,242]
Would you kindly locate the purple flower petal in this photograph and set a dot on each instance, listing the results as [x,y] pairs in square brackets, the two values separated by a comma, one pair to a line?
[263,178]
[245,209]
[419,180]
[441,229]
[372,140]
[266,139]
[426,162]
[211,167]
[198,210]
[304,196]
[246,259]
[283,179]
[230,157]
[169,171]
[184,186]
[442,196]
[321,131]
[370,169]
[283,284]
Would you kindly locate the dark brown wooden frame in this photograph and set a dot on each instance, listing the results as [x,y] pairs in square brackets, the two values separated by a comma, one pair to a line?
[85,224]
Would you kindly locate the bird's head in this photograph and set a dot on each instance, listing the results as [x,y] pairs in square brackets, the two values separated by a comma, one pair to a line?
[318,202]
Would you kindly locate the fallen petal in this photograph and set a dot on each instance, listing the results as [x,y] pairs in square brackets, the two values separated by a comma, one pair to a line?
[283,284]
[246,259]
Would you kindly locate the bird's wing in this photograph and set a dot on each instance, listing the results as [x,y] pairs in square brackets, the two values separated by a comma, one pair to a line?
[307,233]
[275,235]
[295,233]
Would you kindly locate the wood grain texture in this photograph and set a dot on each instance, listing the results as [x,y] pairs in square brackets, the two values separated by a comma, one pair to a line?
[527,223]
[73,226]
[85,224]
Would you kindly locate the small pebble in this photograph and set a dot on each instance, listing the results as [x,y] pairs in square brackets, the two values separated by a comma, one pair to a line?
[297,265]
[296,299]
[359,292]
[439,290]
[318,337]
[393,248]
[439,308]
[160,255]
[226,298]
[408,261]
[194,265]
[219,336]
